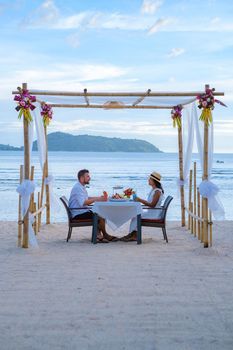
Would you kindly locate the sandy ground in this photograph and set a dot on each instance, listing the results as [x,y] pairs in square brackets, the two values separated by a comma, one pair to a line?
[119,295]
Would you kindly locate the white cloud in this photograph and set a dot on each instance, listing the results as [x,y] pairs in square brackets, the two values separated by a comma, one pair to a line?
[44,15]
[176,52]
[73,40]
[161,22]
[150,6]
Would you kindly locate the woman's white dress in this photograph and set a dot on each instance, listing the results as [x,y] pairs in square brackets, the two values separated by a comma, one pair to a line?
[148,213]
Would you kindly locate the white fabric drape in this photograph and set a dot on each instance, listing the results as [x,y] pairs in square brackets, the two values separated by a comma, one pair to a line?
[189,147]
[55,203]
[31,234]
[30,135]
[207,188]
[25,189]
[41,142]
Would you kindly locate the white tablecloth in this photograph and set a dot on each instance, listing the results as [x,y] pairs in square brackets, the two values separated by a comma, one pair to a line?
[117,213]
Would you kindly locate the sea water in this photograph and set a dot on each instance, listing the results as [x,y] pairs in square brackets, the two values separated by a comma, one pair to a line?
[108,170]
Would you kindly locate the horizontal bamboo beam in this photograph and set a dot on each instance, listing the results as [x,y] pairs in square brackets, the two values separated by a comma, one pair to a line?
[108,107]
[135,94]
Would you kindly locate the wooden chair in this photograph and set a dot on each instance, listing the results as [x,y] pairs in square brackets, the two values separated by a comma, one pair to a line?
[159,222]
[78,222]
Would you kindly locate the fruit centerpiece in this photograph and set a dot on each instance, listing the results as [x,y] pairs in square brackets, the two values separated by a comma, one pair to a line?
[128,192]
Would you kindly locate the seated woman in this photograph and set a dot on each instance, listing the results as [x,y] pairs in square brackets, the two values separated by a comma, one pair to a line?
[154,200]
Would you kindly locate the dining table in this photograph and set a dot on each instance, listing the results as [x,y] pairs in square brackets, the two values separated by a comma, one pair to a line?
[116,213]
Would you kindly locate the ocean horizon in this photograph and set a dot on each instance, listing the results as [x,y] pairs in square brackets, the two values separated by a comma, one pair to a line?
[109,169]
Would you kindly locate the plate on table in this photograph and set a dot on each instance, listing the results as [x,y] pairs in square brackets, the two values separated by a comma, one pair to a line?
[118,200]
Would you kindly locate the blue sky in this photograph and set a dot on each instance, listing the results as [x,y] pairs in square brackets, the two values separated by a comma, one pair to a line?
[129,45]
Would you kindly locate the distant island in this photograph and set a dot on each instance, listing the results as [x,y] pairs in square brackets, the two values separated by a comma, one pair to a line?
[59,141]
[10,148]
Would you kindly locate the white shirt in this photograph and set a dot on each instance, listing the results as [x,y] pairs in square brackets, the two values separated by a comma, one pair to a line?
[78,196]
[153,214]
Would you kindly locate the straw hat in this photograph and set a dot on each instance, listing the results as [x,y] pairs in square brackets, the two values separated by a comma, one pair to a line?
[156,176]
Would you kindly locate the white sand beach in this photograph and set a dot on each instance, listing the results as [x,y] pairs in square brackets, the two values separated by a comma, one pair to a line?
[119,295]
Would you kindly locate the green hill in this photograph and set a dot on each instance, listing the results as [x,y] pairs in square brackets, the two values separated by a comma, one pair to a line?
[59,141]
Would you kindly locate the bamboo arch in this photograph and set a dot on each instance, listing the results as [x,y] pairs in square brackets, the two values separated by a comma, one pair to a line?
[202,218]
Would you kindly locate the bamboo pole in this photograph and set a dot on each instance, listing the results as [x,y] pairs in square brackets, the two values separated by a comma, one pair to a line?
[66,105]
[40,201]
[39,216]
[31,207]
[198,214]
[135,94]
[210,227]
[140,99]
[202,224]
[46,175]
[190,195]
[205,177]
[35,220]
[195,198]
[26,174]
[181,170]
[19,211]
[191,219]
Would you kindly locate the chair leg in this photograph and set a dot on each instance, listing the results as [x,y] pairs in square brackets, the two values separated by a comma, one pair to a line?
[165,234]
[69,234]
[95,228]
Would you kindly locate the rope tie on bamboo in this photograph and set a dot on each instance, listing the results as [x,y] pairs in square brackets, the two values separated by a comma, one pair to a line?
[25,189]
[180,182]
[209,190]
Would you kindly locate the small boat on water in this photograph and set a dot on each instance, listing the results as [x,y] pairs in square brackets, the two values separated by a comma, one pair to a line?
[219,161]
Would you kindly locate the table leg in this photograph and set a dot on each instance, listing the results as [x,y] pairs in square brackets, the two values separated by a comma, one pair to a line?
[95,228]
[139,229]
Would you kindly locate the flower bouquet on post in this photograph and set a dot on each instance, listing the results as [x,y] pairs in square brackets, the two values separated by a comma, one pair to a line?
[206,103]
[176,116]
[25,104]
[46,113]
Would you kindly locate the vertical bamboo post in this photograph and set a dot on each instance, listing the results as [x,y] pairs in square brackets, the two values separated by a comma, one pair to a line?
[190,195]
[198,214]
[181,169]
[46,175]
[191,219]
[39,216]
[202,223]
[19,211]
[32,195]
[40,201]
[210,227]
[205,177]
[195,198]
[26,174]
[35,220]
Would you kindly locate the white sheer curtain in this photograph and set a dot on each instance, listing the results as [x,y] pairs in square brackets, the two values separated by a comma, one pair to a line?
[41,143]
[188,116]
[207,188]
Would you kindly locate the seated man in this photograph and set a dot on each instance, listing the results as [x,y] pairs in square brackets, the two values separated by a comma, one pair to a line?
[79,198]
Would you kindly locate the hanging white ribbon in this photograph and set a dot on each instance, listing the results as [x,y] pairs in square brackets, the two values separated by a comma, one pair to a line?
[41,143]
[209,190]
[25,189]
[31,234]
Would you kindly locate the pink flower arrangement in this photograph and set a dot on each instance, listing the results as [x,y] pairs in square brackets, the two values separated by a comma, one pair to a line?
[25,104]
[46,113]
[176,115]
[206,102]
